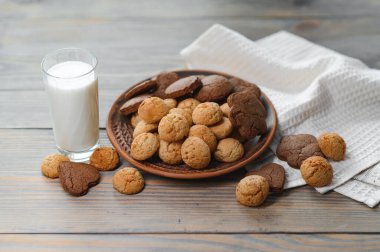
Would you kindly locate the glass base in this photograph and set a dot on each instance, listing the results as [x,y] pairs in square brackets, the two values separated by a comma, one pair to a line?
[81,156]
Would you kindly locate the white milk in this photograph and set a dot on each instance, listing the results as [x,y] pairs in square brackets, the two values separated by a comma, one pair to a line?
[73,105]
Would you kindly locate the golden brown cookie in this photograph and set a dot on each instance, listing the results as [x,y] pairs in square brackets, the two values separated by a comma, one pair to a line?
[222,129]
[225,109]
[207,113]
[50,164]
[153,109]
[332,145]
[144,146]
[144,127]
[204,133]
[135,119]
[252,190]
[170,153]
[188,104]
[195,153]
[171,103]
[229,150]
[316,171]
[185,112]
[105,158]
[128,180]
[173,127]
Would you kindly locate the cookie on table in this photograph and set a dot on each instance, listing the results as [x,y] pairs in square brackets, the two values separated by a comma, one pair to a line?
[204,133]
[215,88]
[128,180]
[144,87]
[170,153]
[50,164]
[164,80]
[273,173]
[151,110]
[240,85]
[195,153]
[171,103]
[185,112]
[173,127]
[229,150]
[222,129]
[188,104]
[105,158]
[144,127]
[332,146]
[252,190]
[183,87]
[225,109]
[294,149]
[144,146]
[135,119]
[316,171]
[132,105]
[207,113]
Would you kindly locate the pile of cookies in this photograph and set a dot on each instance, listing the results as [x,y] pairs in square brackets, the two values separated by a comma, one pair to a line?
[77,178]
[193,119]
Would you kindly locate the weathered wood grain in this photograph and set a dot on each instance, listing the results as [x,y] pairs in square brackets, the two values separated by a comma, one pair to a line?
[194,242]
[31,203]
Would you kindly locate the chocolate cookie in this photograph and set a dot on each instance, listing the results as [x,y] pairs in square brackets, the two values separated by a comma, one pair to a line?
[274,174]
[145,86]
[242,85]
[215,87]
[132,105]
[164,79]
[247,114]
[182,87]
[77,178]
[294,149]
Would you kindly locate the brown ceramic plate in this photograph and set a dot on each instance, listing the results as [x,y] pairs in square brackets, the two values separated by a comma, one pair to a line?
[120,131]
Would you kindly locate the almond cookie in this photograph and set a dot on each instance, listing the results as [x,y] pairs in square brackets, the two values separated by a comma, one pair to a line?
[171,103]
[294,149]
[225,109]
[132,105]
[185,112]
[135,119]
[170,153]
[207,113]
[274,174]
[173,127]
[247,114]
[316,171]
[153,109]
[188,104]
[144,146]
[332,145]
[50,164]
[105,158]
[229,150]
[164,80]
[222,129]
[128,180]
[195,153]
[77,178]
[252,190]
[145,86]
[204,133]
[215,87]
[183,87]
[242,85]
[144,127]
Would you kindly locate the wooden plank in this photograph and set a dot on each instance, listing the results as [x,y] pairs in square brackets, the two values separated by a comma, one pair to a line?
[194,242]
[31,203]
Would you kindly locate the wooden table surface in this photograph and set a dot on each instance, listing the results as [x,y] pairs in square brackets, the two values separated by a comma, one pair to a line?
[134,40]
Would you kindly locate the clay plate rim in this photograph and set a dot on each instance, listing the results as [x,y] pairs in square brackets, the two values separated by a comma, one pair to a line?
[198,174]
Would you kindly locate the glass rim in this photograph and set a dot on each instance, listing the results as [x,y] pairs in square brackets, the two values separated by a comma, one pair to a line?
[67,49]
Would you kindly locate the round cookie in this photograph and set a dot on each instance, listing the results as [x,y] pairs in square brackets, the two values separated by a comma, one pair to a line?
[144,127]
[153,109]
[204,133]
[132,105]
[50,164]
[240,85]
[164,79]
[171,103]
[188,104]
[183,87]
[135,119]
[229,150]
[186,113]
[144,146]
[316,171]
[173,127]
[128,180]
[195,153]
[170,153]
[215,87]
[332,146]
[207,113]
[252,190]
[105,158]
[225,109]
[222,129]
[143,87]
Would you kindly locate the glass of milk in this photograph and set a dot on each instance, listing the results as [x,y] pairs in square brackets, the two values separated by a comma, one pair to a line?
[71,82]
